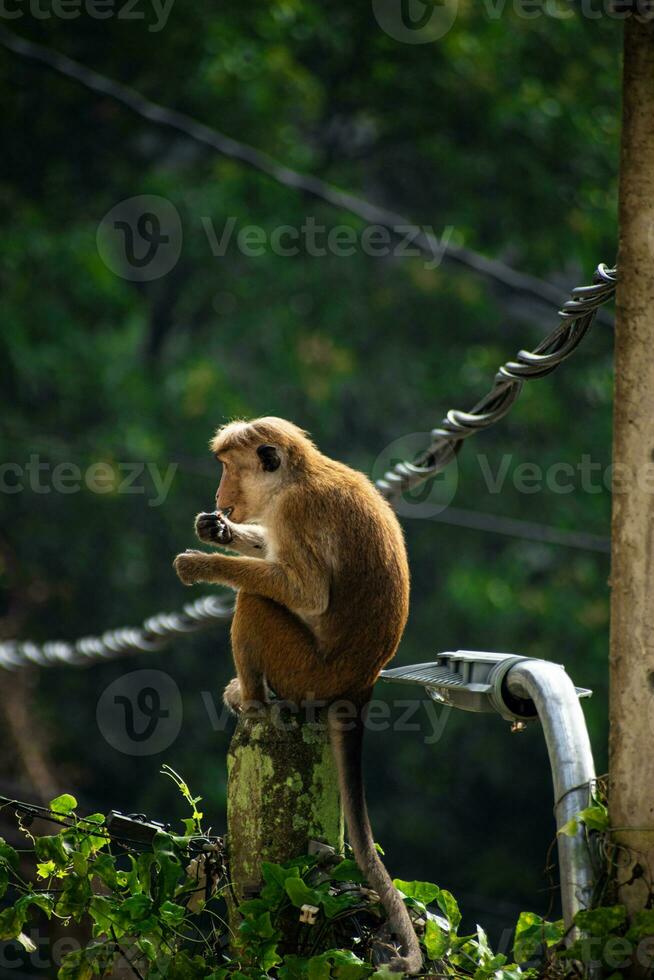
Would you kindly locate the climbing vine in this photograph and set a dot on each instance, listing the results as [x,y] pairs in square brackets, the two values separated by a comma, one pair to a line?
[161,910]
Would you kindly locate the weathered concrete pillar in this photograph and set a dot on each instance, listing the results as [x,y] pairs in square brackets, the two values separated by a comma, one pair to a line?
[631,747]
[282,792]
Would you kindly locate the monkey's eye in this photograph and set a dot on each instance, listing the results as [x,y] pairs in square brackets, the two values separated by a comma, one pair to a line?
[269,457]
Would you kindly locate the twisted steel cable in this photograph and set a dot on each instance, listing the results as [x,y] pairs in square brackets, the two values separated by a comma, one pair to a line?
[155,634]
[577,315]
[160,630]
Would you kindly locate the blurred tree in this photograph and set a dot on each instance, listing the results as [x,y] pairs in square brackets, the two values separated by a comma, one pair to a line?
[505,129]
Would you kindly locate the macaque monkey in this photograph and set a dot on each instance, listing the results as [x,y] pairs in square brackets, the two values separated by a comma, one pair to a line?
[323,593]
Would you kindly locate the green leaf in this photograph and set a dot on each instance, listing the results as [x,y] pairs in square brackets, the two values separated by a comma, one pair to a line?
[261,927]
[90,842]
[45,869]
[599,922]
[275,877]
[422,891]
[4,880]
[43,900]
[595,817]
[347,871]
[147,947]
[300,894]
[80,864]
[172,914]
[8,855]
[105,868]
[570,829]
[267,955]
[54,849]
[63,804]
[186,967]
[333,905]
[137,907]
[104,912]
[449,907]
[83,964]
[532,931]
[253,906]
[436,940]
[642,925]
[73,967]
[75,898]
[12,921]
[169,865]
[342,964]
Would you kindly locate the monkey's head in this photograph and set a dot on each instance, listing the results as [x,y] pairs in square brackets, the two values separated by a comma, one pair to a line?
[259,458]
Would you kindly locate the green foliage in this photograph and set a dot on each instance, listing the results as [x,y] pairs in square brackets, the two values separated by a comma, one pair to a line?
[465,132]
[532,932]
[603,938]
[138,908]
[595,817]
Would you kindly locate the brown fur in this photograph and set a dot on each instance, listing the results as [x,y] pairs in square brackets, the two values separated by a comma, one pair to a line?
[323,610]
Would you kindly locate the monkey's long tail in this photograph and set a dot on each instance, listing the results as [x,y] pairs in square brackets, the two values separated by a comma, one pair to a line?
[347,745]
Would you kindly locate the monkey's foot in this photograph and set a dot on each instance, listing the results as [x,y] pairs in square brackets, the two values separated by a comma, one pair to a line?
[213,528]
[233,698]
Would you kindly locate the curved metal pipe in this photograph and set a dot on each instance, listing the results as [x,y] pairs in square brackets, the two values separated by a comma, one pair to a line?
[573,770]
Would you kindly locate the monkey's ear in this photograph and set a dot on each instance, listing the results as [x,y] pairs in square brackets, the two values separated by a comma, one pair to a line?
[269,458]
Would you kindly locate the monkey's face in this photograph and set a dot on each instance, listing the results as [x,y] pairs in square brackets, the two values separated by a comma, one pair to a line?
[249,481]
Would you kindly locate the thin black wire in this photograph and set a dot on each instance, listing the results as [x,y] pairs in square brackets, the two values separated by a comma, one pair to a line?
[36,811]
[398,224]
[158,631]
[578,314]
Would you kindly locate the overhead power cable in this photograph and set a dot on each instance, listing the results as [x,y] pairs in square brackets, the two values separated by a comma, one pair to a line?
[429,244]
[577,316]
[155,633]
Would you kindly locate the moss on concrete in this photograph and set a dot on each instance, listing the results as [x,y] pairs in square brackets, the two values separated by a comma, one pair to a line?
[282,793]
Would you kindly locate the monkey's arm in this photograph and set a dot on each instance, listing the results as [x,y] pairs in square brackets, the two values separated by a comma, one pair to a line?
[304,588]
[218,530]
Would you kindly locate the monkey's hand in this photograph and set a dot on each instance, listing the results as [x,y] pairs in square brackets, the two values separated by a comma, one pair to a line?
[191,566]
[214,528]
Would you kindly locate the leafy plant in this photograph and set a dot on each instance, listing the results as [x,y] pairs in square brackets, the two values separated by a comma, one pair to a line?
[149,907]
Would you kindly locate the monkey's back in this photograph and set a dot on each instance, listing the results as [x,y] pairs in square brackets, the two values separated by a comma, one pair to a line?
[353,532]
